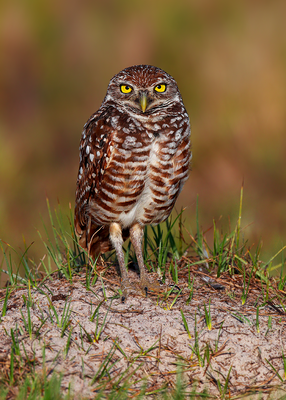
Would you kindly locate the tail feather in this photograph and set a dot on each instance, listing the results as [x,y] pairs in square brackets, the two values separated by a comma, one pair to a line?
[95,238]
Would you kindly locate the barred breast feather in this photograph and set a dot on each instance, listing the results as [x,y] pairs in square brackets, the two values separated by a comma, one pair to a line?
[131,170]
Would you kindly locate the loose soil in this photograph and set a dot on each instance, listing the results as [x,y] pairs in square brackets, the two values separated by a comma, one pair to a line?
[148,334]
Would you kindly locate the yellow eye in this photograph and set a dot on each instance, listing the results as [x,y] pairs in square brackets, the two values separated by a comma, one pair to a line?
[160,88]
[125,89]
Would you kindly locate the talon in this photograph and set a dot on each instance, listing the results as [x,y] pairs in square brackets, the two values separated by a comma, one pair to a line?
[146,285]
[126,289]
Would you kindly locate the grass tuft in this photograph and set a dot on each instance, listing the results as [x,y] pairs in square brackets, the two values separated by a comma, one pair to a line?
[186,264]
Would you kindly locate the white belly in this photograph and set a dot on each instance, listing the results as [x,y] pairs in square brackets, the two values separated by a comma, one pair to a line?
[145,200]
[136,213]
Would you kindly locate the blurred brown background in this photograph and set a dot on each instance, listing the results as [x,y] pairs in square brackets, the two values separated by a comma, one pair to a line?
[229,59]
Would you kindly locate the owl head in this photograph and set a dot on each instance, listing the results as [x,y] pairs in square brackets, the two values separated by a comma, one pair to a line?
[143,89]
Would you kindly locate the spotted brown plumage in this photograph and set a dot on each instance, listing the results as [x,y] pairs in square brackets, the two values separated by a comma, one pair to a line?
[134,161]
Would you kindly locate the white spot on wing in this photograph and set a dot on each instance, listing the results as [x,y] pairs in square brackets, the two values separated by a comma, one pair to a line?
[114,121]
[178,134]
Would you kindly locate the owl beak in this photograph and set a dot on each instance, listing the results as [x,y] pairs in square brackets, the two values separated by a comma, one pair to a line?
[143,100]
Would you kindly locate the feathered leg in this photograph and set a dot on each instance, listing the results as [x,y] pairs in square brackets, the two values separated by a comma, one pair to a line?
[136,236]
[115,234]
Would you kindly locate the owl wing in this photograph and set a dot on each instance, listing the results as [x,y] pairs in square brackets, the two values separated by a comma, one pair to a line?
[95,153]
[181,160]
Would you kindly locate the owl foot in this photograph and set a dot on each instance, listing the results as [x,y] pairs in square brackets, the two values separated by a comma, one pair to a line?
[126,289]
[147,286]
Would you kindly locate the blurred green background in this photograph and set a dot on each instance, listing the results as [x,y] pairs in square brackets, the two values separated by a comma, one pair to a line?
[229,59]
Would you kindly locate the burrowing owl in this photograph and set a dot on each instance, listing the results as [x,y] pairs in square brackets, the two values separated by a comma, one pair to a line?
[134,161]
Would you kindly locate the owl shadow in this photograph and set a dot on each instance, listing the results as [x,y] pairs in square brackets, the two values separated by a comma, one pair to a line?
[132,268]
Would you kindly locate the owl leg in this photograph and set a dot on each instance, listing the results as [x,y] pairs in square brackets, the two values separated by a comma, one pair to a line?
[115,234]
[136,236]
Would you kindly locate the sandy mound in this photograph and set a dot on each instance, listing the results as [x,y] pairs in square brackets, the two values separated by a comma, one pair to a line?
[149,336]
